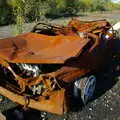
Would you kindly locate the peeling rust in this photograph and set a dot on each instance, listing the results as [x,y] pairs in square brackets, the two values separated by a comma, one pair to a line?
[72,51]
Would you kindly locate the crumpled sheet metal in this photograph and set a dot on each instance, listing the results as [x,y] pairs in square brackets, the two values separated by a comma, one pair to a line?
[37,48]
[89,26]
[52,105]
[78,55]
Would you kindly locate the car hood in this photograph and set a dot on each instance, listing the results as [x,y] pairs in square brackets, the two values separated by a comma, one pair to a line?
[39,48]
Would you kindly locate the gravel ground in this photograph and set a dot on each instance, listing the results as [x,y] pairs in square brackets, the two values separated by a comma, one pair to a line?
[106,104]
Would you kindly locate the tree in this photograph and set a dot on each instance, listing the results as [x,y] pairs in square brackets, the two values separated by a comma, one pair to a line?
[5,13]
[72,7]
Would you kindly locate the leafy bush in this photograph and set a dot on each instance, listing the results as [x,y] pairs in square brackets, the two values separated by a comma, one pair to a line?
[5,13]
[62,7]
[20,11]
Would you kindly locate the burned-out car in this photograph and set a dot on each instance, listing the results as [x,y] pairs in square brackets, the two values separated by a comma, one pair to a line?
[42,66]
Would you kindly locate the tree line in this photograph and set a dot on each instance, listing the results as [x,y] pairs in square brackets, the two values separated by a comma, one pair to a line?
[20,11]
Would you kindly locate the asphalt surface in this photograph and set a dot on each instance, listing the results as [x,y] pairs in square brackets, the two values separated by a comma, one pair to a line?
[106,102]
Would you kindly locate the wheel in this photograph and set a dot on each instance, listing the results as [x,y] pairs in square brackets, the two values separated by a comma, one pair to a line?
[87,87]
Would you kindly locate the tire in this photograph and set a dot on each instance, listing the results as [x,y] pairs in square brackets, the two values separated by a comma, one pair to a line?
[87,87]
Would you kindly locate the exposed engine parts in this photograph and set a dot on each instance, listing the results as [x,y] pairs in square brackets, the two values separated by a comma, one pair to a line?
[37,89]
[29,70]
[30,76]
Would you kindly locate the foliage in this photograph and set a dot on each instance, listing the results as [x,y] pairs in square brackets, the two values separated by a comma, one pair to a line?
[26,11]
[62,7]
[72,7]
[99,5]
[5,13]
[21,11]
[85,5]
[55,7]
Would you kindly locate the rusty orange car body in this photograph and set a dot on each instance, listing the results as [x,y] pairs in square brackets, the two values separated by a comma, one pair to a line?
[78,49]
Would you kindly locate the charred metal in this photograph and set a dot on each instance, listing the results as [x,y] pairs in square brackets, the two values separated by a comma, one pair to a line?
[41,64]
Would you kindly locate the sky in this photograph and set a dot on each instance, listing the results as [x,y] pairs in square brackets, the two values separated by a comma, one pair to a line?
[116,1]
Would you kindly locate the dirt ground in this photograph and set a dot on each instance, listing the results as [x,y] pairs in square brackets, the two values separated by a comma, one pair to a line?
[106,103]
